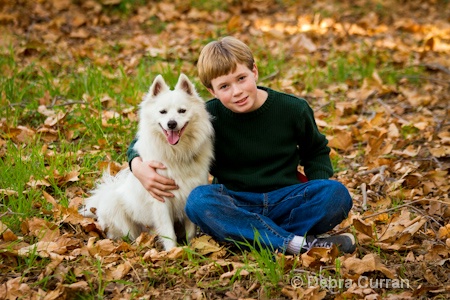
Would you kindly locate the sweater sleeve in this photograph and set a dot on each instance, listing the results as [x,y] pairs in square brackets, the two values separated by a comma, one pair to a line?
[315,153]
[131,152]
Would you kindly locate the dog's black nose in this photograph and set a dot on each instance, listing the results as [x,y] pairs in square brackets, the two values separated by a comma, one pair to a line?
[172,124]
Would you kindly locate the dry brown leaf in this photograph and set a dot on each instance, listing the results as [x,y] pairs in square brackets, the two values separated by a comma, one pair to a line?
[43,230]
[236,270]
[8,192]
[56,293]
[234,23]
[80,286]
[6,234]
[43,249]
[146,240]
[353,267]
[444,232]
[118,272]
[301,41]
[14,289]
[35,184]
[101,247]
[206,245]
[342,140]
[363,227]
[319,256]
[155,255]
[309,293]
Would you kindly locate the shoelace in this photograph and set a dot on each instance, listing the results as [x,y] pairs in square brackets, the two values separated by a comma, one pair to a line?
[317,243]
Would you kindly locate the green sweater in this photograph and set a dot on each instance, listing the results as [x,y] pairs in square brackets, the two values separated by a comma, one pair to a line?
[260,151]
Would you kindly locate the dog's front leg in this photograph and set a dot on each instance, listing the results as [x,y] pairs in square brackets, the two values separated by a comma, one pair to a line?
[165,229]
[168,239]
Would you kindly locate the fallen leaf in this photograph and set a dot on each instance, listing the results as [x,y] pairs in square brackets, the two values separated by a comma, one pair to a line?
[353,267]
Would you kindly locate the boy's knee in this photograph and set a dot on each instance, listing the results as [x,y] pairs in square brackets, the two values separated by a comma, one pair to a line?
[196,201]
[192,200]
[340,195]
[194,194]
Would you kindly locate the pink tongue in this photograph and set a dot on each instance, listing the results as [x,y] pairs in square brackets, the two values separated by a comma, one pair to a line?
[173,137]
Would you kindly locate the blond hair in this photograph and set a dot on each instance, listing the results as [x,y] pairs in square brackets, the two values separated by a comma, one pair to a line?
[221,57]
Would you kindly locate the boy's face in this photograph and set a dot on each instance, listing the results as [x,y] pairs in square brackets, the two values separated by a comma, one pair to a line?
[237,90]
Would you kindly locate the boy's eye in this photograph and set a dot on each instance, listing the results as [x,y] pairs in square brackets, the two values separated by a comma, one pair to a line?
[223,87]
[242,78]
[163,111]
[181,111]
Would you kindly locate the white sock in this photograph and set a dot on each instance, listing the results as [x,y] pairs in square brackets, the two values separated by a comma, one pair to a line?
[296,244]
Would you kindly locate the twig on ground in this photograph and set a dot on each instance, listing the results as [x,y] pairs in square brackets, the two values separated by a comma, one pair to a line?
[134,271]
[380,169]
[364,195]
[396,208]
[391,112]
[8,212]
[425,78]
[437,67]
[403,205]
[425,215]
[440,166]
[69,102]
[270,76]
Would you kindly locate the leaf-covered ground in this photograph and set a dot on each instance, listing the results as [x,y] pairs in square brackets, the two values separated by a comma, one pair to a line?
[377,74]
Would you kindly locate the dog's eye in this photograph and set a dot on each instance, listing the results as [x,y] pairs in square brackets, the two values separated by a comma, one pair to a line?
[163,111]
[181,111]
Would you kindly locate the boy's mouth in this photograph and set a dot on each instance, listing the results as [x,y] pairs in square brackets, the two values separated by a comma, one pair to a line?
[241,101]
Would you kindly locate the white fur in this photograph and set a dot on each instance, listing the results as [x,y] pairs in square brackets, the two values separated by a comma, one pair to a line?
[122,205]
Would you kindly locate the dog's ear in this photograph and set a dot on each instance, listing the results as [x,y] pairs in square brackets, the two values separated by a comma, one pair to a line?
[158,86]
[186,85]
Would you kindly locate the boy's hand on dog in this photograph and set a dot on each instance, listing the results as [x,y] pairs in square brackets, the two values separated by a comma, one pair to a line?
[157,185]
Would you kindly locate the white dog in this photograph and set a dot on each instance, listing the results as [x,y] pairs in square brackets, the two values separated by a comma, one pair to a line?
[175,129]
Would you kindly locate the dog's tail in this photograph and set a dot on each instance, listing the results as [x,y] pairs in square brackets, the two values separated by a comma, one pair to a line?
[102,193]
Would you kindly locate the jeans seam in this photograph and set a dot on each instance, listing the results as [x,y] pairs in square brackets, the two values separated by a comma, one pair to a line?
[305,198]
[267,226]
[265,204]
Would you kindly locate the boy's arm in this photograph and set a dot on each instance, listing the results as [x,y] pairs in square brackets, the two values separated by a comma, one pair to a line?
[131,152]
[314,152]
[145,171]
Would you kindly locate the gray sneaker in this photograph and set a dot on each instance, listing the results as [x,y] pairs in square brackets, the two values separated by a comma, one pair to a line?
[345,242]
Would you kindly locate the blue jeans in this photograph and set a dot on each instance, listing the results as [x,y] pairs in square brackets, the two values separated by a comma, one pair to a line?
[314,207]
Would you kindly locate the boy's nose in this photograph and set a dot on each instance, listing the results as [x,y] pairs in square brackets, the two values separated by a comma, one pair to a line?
[236,90]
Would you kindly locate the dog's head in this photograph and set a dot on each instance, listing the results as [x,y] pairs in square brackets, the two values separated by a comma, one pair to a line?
[171,110]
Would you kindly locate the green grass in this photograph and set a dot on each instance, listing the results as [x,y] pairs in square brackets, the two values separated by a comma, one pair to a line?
[263,264]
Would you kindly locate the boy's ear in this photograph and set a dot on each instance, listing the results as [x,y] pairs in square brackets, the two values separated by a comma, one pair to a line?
[255,71]
[211,91]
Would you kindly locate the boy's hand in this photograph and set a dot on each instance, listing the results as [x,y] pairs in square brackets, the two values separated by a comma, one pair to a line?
[157,185]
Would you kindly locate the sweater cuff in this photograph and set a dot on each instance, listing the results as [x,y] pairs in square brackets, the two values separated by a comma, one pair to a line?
[130,159]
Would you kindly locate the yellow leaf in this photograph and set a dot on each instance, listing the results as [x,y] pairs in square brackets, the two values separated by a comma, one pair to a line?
[369,263]
[363,227]
[444,232]
[341,140]
[205,245]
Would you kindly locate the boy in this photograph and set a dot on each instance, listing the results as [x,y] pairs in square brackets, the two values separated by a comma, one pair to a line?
[261,136]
